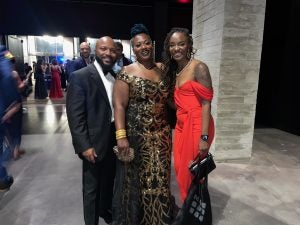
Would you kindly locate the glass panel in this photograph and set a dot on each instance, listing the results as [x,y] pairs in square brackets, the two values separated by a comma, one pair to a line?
[49,45]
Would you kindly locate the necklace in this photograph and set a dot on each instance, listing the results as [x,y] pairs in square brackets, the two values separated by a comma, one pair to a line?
[184,68]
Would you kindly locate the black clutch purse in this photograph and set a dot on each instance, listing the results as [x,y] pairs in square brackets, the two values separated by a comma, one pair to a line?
[201,168]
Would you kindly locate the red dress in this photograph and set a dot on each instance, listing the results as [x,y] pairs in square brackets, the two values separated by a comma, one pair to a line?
[188,129]
[55,89]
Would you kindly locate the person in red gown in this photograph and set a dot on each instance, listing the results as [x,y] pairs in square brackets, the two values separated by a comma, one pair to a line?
[193,93]
[55,88]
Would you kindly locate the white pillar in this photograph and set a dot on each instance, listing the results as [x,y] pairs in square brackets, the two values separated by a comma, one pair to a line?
[228,35]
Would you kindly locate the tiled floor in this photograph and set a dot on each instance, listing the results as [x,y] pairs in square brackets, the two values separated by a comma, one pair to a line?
[47,188]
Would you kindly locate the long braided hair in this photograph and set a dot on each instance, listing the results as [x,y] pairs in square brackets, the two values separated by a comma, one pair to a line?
[170,64]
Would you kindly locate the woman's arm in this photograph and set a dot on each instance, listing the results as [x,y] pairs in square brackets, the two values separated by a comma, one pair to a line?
[20,83]
[10,111]
[120,102]
[203,77]
[59,68]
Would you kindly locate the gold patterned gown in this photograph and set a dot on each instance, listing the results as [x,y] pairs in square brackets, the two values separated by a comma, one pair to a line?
[142,187]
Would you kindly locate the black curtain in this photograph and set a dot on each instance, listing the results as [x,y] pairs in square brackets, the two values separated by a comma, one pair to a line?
[278,97]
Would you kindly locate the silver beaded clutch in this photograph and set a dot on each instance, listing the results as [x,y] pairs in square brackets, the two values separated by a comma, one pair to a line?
[122,157]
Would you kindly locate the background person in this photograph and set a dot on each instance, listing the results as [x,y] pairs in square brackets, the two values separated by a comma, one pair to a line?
[8,107]
[40,88]
[121,59]
[82,61]
[15,122]
[55,88]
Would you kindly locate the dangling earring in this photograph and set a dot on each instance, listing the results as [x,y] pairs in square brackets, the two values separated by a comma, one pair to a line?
[188,55]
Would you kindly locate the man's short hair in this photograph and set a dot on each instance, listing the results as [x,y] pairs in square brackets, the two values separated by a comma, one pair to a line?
[119,45]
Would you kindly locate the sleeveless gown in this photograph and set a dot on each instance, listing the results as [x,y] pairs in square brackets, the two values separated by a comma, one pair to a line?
[188,129]
[40,91]
[142,187]
[55,89]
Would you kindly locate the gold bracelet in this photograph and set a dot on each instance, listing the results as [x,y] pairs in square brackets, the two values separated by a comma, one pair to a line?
[120,137]
[121,133]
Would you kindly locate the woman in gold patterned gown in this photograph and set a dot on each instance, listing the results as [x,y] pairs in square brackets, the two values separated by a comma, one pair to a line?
[142,186]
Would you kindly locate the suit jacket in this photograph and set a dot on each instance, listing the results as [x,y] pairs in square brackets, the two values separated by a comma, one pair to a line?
[88,111]
[75,65]
[125,60]
[78,64]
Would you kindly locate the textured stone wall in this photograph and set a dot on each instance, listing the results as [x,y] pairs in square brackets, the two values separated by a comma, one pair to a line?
[228,38]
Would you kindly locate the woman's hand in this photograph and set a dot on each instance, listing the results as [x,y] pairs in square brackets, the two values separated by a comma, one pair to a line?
[123,146]
[203,147]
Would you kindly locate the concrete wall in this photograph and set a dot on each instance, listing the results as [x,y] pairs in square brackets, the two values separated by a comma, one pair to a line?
[228,35]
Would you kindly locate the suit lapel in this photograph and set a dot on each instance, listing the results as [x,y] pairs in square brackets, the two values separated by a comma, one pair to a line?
[97,79]
[83,62]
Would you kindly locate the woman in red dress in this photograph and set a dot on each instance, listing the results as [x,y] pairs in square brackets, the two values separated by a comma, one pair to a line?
[193,94]
[55,89]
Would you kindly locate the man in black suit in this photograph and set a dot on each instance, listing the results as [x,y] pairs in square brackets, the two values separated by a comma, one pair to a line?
[90,117]
[82,61]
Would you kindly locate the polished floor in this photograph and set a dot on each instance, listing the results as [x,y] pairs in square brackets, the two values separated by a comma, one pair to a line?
[47,188]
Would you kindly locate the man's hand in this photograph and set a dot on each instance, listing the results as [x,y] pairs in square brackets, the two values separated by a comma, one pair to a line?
[90,155]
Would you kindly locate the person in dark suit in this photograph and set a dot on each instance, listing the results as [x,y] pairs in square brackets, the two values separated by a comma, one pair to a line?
[121,59]
[90,117]
[9,105]
[82,61]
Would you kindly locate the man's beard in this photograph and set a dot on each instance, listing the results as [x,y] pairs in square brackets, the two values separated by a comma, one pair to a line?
[105,67]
